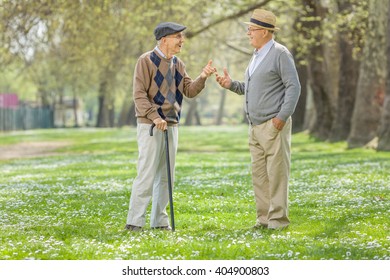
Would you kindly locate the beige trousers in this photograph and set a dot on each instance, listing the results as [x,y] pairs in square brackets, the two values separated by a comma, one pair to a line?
[271,156]
[151,182]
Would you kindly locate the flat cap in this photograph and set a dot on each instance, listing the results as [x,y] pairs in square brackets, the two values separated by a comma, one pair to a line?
[167,28]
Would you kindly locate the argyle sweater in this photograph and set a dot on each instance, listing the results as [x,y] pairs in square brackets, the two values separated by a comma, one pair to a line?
[158,88]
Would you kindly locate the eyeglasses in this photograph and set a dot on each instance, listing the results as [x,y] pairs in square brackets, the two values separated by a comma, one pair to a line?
[253,29]
[177,36]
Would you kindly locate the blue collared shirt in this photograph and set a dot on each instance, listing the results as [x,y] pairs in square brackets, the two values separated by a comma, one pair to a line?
[258,56]
[160,52]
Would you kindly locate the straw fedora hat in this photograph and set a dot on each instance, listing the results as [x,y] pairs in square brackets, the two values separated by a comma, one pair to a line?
[263,19]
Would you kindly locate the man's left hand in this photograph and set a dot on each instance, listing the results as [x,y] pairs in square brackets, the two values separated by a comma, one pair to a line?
[278,123]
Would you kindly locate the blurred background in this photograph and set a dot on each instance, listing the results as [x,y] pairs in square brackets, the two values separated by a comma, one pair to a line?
[71,63]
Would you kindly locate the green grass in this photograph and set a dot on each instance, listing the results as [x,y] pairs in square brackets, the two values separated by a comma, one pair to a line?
[73,205]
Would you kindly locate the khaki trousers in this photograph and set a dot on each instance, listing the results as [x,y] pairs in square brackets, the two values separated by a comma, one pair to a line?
[271,156]
[152,178]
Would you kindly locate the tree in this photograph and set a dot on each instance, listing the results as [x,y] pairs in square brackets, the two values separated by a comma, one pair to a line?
[349,71]
[219,118]
[371,83]
[192,117]
[101,40]
[88,49]
[317,71]
[298,118]
[384,128]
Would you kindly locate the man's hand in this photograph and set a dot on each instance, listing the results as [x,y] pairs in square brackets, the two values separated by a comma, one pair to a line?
[160,124]
[224,81]
[278,123]
[208,70]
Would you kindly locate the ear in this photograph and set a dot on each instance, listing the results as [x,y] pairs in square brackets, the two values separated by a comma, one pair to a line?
[163,41]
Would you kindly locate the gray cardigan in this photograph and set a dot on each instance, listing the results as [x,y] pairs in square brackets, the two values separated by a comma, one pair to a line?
[273,89]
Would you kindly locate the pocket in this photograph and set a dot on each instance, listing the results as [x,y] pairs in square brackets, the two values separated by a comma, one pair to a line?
[273,131]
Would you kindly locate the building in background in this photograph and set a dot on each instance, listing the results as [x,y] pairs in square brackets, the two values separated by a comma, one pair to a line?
[9,100]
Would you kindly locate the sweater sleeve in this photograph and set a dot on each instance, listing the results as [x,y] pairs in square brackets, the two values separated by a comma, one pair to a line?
[141,84]
[237,87]
[192,87]
[289,76]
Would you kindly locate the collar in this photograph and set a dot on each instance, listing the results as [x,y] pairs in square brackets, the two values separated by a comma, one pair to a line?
[265,48]
[157,49]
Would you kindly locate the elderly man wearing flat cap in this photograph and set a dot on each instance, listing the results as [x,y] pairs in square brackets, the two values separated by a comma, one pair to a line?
[271,88]
[160,82]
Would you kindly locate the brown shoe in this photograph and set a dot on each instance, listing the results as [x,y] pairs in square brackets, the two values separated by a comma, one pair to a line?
[260,226]
[133,228]
[278,228]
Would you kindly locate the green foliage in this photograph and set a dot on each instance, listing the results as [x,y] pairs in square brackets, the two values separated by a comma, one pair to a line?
[73,205]
[346,17]
[88,49]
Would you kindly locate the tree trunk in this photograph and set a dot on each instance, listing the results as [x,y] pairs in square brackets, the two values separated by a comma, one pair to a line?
[323,122]
[349,72]
[106,107]
[384,128]
[371,83]
[317,74]
[62,110]
[127,115]
[76,104]
[192,113]
[221,108]
[298,118]
[132,120]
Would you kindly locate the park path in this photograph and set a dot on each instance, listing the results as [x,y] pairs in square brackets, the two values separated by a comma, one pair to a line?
[30,149]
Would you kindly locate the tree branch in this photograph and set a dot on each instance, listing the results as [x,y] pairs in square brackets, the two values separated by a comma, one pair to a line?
[237,49]
[233,16]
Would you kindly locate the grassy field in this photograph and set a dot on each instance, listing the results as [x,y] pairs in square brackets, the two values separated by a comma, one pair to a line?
[73,204]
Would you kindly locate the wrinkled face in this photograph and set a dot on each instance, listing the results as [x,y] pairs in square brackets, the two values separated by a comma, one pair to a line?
[257,36]
[174,42]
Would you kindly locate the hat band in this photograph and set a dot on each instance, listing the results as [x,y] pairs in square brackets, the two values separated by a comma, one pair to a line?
[258,22]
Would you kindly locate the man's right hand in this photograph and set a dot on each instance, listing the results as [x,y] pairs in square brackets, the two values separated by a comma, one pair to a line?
[160,124]
[224,81]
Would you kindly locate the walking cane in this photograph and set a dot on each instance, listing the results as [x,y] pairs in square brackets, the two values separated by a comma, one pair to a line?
[170,192]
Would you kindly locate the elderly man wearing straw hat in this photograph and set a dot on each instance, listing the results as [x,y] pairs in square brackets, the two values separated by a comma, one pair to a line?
[271,90]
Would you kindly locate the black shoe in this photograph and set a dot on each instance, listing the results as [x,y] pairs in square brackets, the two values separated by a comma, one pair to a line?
[163,228]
